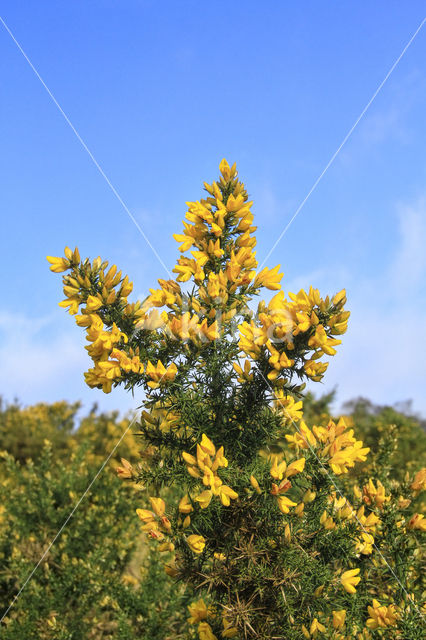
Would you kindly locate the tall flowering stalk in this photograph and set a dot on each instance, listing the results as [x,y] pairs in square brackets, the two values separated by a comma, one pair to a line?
[263,522]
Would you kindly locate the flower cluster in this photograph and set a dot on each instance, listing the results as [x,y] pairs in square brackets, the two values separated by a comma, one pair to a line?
[334,444]
[267,534]
[205,466]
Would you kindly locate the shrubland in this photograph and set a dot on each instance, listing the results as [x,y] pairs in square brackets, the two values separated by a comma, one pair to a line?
[270,516]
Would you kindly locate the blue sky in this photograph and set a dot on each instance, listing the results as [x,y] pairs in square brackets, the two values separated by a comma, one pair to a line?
[160,92]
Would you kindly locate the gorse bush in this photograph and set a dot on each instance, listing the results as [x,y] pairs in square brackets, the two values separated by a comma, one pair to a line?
[24,431]
[267,526]
[98,580]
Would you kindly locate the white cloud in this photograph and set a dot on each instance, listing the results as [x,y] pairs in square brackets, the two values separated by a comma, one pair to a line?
[42,364]
[383,354]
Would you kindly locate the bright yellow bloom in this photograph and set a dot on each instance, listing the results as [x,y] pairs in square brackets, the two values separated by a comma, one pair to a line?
[320,340]
[365,543]
[58,264]
[243,375]
[295,467]
[291,410]
[196,543]
[126,471]
[327,521]
[340,297]
[228,630]
[376,495]
[316,626]
[339,618]
[315,370]
[205,631]
[227,171]
[418,521]
[184,505]
[204,498]
[419,482]
[346,457]
[277,470]
[254,483]
[285,503]
[146,516]
[93,304]
[269,278]
[381,616]
[159,374]
[369,522]
[226,494]
[198,611]
[158,506]
[350,579]
[207,445]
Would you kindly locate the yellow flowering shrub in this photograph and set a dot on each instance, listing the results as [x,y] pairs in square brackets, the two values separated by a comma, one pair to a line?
[266,525]
[97,580]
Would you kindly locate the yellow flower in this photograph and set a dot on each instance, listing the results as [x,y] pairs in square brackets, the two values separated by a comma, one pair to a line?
[196,543]
[371,494]
[339,618]
[184,505]
[284,504]
[295,467]
[315,370]
[350,579]
[198,611]
[58,264]
[226,494]
[419,482]
[205,631]
[418,521]
[277,470]
[299,509]
[93,304]
[207,445]
[146,516]
[126,471]
[381,616]
[327,521]
[291,410]
[316,626]
[228,630]
[269,278]
[159,374]
[227,171]
[204,498]
[254,483]
[340,297]
[364,544]
[158,506]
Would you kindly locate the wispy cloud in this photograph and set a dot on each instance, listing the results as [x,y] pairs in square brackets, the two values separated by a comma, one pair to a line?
[383,355]
[40,363]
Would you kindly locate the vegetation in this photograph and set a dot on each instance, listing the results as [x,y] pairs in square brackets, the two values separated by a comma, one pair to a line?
[97,580]
[271,517]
